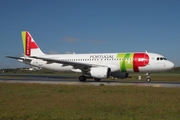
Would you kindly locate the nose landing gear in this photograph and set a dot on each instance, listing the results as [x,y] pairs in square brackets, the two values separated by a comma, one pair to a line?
[148,77]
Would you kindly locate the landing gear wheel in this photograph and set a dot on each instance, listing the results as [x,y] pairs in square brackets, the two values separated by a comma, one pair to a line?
[97,79]
[82,78]
[148,79]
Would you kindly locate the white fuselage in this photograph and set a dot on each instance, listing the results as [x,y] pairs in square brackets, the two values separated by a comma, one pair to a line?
[97,66]
[122,62]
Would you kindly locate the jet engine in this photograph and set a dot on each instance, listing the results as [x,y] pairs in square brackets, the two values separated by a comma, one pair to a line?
[100,72]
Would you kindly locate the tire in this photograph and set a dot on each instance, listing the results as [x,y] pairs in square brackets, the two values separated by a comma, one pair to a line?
[148,79]
[82,78]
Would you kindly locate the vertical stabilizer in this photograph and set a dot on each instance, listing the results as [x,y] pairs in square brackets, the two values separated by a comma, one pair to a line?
[29,45]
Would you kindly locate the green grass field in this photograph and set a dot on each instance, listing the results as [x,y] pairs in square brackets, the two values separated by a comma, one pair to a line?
[46,102]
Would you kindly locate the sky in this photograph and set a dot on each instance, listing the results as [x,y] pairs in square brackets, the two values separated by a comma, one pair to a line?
[90,26]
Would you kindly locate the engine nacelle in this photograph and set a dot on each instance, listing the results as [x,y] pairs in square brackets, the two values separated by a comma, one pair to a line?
[119,75]
[100,72]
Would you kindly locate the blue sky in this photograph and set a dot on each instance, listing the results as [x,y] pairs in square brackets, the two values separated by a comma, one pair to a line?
[90,26]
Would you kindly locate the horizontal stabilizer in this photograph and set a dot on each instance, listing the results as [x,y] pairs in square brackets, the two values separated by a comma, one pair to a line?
[21,58]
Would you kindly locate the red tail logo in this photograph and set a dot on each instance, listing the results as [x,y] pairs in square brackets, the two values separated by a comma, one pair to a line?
[30,44]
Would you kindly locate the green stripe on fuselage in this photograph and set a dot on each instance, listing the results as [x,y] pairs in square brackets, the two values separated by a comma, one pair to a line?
[126,61]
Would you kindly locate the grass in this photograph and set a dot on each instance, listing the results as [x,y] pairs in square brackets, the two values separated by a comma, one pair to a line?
[42,101]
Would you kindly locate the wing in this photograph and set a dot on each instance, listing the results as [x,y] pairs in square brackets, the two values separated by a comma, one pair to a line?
[76,65]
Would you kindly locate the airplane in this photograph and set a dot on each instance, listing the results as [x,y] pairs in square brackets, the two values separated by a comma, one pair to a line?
[96,66]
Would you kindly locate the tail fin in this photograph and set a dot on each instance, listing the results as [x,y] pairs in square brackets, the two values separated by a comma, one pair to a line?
[30,46]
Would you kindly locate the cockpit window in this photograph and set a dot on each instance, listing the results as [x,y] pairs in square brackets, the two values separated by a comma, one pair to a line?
[161,58]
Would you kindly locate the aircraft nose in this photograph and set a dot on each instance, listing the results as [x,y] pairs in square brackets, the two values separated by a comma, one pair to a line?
[170,65]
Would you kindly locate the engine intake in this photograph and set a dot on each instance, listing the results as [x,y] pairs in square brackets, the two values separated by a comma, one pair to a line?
[100,72]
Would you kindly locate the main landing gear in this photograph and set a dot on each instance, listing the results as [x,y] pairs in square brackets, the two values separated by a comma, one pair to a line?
[83,78]
[148,77]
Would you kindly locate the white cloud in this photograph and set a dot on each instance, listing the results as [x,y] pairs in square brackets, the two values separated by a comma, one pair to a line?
[69,52]
[53,52]
[70,39]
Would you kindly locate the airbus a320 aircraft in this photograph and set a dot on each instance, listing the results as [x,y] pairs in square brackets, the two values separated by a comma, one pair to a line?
[97,66]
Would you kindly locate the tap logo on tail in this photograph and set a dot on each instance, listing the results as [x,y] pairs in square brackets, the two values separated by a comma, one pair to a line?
[28,43]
